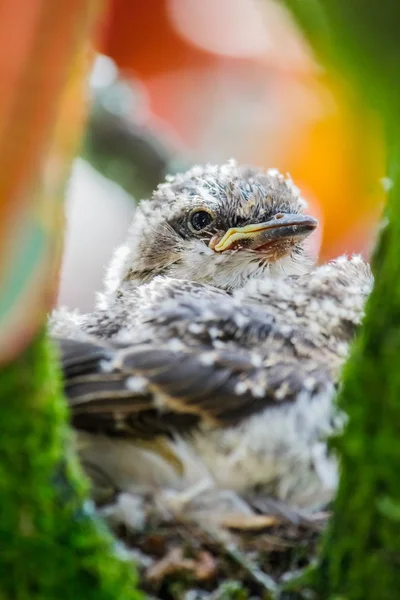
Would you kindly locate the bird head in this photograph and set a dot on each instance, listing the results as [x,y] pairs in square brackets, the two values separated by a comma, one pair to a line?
[221,225]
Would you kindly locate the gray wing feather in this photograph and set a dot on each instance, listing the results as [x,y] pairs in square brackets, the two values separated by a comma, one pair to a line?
[197,365]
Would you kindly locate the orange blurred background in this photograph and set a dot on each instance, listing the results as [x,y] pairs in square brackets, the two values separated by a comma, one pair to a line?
[236,78]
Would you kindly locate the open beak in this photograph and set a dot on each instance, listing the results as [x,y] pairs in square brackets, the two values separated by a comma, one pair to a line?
[281,227]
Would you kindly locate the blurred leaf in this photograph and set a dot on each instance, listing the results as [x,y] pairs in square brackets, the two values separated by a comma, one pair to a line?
[359,37]
[40,125]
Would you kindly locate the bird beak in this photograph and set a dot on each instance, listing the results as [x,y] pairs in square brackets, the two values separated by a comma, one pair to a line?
[281,227]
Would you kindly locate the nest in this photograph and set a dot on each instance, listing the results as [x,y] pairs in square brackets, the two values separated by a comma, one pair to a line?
[244,556]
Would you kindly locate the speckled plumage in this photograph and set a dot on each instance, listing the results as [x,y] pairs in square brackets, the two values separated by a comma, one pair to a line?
[185,379]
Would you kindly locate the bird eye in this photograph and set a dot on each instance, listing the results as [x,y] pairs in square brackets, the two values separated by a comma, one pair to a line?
[200,219]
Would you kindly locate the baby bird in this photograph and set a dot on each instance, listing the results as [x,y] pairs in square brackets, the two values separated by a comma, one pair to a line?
[213,356]
[221,225]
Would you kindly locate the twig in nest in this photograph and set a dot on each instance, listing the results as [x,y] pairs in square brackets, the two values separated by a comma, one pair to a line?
[202,568]
[264,581]
[248,522]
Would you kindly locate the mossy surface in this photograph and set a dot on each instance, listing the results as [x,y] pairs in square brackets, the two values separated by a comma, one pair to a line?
[51,544]
[361,554]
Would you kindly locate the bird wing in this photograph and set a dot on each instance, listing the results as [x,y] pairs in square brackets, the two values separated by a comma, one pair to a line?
[202,363]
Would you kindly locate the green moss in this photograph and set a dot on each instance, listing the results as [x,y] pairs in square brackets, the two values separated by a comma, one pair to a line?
[51,544]
[361,555]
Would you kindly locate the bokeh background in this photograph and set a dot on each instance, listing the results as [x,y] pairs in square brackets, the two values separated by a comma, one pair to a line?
[178,82]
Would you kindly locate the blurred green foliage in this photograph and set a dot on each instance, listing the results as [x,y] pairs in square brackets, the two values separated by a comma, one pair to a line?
[360,38]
